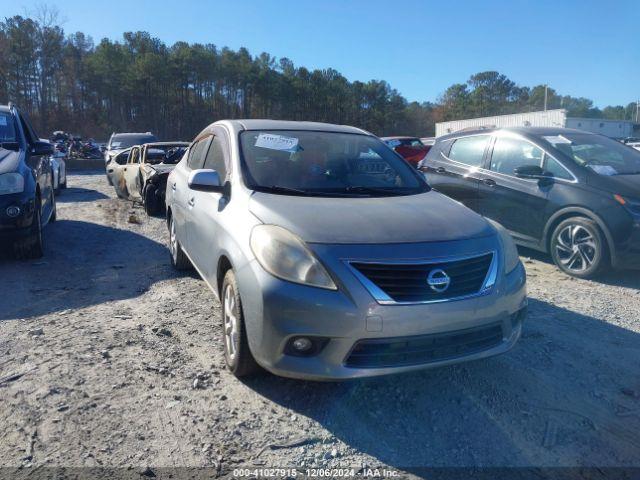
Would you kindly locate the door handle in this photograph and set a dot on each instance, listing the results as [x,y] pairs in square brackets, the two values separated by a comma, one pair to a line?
[192,201]
[173,186]
[441,170]
[125,169]
[489,182]
[110,170]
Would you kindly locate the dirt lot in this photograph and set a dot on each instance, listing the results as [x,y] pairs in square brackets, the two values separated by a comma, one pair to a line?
[110,359]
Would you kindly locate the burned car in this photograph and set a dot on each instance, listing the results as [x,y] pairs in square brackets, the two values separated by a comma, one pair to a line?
[141,173]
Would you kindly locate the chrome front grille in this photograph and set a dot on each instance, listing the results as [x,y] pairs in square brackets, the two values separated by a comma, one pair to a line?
[423,281]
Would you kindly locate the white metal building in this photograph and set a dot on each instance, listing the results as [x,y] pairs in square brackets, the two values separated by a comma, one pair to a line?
[549,118]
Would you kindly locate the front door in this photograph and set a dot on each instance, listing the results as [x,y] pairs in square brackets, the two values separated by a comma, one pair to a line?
[456,172]
[132,174]
[209,207]
[518,204]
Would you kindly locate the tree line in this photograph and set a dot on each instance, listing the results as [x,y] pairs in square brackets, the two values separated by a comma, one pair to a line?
[66,82]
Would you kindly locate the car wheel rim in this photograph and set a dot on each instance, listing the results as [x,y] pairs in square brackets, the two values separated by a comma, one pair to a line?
[230,323]
[173,241]
[576,248]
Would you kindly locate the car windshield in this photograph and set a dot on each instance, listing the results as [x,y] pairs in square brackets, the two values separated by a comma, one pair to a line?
[167,154]
[603,155]
[126,141]
[325,164]
[7,128]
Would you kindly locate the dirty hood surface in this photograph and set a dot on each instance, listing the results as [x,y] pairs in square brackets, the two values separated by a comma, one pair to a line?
[427,217]
[9,160]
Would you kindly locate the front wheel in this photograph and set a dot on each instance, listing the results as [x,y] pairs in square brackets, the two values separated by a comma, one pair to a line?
[32,247]
[237,355]
[578,248]
[150,200]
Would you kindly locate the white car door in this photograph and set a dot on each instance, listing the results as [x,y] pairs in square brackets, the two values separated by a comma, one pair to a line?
[132,173]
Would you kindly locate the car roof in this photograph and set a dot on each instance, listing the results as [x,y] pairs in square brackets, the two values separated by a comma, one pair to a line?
[400,137]
[258,124]
[128,134]
[164,144]
[527,131]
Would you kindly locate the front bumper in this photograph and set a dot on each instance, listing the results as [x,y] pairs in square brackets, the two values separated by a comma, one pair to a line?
[276,311]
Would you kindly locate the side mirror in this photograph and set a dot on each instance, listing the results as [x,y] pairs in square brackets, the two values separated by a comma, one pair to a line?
[205,180]
[41,149]
[529,171]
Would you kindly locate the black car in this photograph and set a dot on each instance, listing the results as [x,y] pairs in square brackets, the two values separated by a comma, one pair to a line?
[27,202]
[573,194]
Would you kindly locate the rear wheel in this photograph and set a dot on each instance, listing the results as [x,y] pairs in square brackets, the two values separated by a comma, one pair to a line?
[179,260]
[150,200]
[578,248]
[237,355]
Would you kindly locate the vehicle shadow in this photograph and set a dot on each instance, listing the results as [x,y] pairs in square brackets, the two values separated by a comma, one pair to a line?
[77,194]
[554,400]
[618,277]
[84,264]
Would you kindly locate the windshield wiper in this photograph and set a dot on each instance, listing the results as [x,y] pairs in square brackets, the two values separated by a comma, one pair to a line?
[15,146]
[298,191]
[375,190]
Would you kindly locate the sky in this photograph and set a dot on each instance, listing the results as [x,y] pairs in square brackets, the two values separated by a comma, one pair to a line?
[581,48]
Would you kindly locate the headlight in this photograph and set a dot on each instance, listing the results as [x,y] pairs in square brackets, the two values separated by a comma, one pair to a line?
[11,183]
[285,256]
[510,252]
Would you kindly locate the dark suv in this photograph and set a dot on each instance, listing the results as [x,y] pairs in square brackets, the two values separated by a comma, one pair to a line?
[27,202]
[570,193]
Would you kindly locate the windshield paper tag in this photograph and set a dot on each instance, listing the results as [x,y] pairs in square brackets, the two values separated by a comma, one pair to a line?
[393,143]
[3,120]
[607,170]
[558,139]
[277,142]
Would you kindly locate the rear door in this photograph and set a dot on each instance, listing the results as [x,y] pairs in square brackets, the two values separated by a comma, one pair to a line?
[516,203]
[454,168]
[115,172]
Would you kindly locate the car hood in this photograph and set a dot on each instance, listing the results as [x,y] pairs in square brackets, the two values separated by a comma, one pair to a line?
[427,217]
[625,185]
[9,160]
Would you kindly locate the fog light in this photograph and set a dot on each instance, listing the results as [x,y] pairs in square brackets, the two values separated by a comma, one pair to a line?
[302,344]
[13,211]
[305,346]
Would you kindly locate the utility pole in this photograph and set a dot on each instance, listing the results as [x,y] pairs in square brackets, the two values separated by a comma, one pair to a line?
[546,87]
[637,110]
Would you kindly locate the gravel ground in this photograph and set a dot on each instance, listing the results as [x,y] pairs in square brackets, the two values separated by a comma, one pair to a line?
[108,358]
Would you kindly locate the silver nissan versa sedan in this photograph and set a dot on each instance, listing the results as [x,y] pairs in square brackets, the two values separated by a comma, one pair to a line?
[333,258]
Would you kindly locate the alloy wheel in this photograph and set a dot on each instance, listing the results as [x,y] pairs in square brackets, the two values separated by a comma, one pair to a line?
[231,329]
[173,241]
[576,248]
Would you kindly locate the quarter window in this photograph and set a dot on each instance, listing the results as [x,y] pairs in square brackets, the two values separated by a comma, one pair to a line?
[215,158]
[511,153]
[469,150]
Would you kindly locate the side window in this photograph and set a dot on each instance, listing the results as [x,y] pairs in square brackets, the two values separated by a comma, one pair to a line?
[511,153]
[196,153]
[469,150]
[215,158]
[558,171]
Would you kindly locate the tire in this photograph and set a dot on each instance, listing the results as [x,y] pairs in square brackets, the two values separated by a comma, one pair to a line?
[237,354]
[150,200]
[31,247]
[578,248]
[54,208]
[179,259]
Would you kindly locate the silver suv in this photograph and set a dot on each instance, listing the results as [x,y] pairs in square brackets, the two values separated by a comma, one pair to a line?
[333,258]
